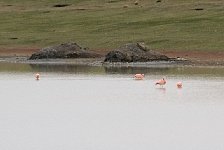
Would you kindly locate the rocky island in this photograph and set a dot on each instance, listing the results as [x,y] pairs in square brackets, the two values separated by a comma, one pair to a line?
[134,52]
[65,50]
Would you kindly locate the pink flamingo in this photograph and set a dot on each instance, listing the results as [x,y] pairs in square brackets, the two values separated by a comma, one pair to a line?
[37,76]
[161,82]
[179,84]
[139,76]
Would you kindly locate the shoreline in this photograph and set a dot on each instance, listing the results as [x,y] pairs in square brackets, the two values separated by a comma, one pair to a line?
[181,59]
[99,62]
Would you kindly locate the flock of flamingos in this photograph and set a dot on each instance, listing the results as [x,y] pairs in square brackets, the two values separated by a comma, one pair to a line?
[160,82]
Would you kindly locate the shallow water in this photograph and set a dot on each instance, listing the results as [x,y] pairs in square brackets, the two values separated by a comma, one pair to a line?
[98,108]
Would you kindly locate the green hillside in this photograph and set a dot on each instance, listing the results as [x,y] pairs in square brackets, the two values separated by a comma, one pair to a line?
[168,25]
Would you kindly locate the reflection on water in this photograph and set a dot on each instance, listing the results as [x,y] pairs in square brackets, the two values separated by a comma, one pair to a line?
[161,89]
[85,69]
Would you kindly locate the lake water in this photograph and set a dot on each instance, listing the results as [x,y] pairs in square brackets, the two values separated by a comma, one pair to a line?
[102,108]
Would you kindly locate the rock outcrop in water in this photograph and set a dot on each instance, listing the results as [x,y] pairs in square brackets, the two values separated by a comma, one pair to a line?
[134,52]
[66,50]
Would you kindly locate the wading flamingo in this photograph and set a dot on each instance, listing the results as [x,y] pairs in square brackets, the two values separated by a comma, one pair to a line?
[161,82]
[179,84]
[139,76]
[37,76]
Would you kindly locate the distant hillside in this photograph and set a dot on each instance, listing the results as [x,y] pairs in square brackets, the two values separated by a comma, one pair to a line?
[99,24]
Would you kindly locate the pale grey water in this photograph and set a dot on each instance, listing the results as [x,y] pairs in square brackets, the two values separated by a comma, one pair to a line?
[97,108]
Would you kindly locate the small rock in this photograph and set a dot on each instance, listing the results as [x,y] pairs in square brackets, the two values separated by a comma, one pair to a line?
[62,5]
[199,9]
[125,6]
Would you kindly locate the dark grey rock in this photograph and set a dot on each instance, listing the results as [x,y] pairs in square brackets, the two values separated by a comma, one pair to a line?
[66,50]
[62,5]
[134,52]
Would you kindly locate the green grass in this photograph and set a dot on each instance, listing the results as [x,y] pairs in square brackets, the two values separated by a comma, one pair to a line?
[169,25]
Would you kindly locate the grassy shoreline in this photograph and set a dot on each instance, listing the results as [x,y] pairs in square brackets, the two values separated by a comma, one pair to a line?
[105,24]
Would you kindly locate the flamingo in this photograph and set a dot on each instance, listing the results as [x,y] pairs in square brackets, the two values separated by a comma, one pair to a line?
[161,82]
[139,76]
[179,84]
[37,76]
